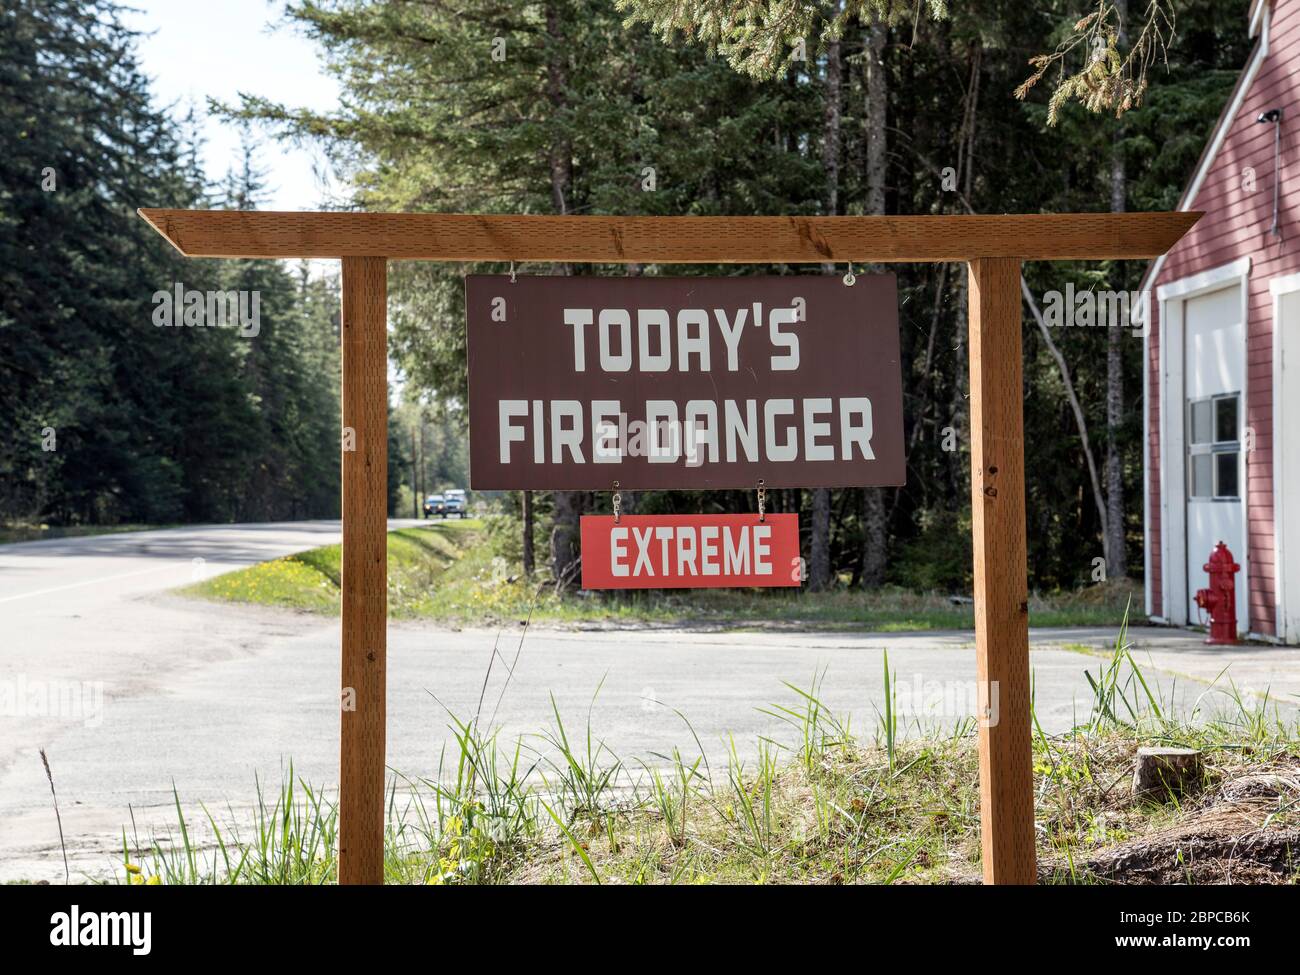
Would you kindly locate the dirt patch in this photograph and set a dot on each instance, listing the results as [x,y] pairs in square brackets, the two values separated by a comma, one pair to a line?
[1261,857]
[1240,831]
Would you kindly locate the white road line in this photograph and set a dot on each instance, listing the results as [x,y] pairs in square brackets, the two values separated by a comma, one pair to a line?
[87,582]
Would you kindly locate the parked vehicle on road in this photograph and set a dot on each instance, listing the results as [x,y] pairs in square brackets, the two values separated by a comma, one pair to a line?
[449,504]
[456,503]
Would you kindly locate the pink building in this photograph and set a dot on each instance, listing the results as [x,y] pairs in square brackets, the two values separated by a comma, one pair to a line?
[1223,355]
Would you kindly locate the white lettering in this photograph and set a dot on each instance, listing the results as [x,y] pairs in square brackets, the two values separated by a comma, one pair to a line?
[602,451]
[566,436]
[623,361]
[688,344]
[812,450]
[731,332]
[762,550]
[790,449]
[709,550]
[746,430]
[686,551]
[735,560]
[579,318]
[851,433]
[701,431]
[661,416]
[510,432]
[618,551]
[663,359]
[790,361]
[642,552]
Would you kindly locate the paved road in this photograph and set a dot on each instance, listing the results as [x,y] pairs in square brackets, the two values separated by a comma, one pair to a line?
[208,696]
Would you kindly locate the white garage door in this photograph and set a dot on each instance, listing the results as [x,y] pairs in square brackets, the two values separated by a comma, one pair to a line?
[1286,462]
[1215,474]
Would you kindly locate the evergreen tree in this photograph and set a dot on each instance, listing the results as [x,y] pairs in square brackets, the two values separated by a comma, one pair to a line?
[108,417]
[561,107]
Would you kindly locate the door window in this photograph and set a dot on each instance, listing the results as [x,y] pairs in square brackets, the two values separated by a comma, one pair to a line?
[1214,447]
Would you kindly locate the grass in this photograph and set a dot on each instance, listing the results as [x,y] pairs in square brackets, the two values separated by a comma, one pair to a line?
[417,559]
[450,572]
[826,806]
[30,532]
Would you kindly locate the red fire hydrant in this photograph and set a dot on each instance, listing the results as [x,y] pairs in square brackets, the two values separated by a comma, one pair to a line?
[1220,600]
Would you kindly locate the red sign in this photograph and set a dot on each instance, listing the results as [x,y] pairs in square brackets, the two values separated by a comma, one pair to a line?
[690,551]
[684,383]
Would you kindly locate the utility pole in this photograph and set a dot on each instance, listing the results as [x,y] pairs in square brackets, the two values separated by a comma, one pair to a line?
[423,484]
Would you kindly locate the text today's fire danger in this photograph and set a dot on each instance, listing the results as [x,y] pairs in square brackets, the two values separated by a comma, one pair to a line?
[575,383]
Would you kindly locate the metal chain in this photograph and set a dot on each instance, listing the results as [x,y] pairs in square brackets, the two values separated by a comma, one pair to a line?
[618,503]
[762,501]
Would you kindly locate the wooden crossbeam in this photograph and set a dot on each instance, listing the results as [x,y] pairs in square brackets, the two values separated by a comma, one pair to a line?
[669,240]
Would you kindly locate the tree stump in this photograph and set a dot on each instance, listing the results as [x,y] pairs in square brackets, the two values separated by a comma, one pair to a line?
[1160,772]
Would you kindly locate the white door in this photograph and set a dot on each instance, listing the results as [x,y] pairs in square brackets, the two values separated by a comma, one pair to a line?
[1214,370]
[1286,463]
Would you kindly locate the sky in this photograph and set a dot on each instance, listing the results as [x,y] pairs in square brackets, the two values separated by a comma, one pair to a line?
[196,49]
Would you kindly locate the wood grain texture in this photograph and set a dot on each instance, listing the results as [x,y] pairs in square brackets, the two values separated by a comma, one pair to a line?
[669,240]
[997,461]
[365,570]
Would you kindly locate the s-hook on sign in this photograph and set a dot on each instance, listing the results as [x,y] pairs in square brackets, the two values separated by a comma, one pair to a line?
[683,383]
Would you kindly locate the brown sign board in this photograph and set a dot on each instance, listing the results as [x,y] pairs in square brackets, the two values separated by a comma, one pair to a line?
[576,383]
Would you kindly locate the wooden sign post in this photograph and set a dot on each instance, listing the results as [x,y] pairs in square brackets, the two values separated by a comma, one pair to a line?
[993,246]
[365,569]
[997,489]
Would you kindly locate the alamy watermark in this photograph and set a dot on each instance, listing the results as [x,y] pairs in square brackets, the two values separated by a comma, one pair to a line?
[220,309]
[921,698]
[67,700]
[75,928]
[1090,308]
